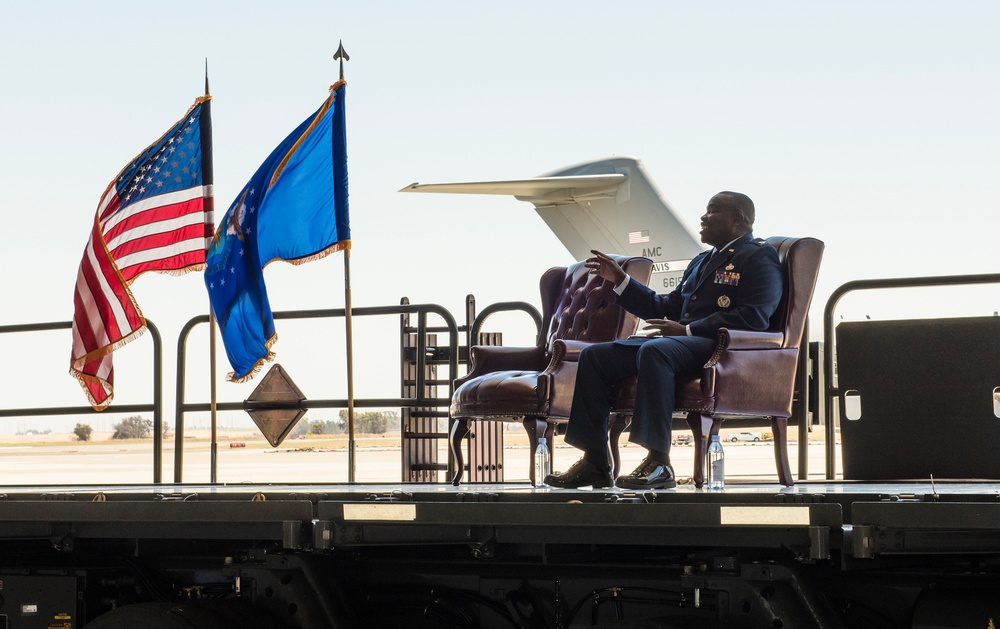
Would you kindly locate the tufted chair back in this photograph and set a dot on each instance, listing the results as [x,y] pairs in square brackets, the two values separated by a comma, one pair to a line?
[535,385]
[800,258]
[579,306]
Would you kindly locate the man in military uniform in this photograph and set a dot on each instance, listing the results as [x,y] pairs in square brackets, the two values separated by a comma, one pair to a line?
[737,285]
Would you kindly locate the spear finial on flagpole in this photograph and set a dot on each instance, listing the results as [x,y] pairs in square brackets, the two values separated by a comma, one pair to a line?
[206,76]
[343,56]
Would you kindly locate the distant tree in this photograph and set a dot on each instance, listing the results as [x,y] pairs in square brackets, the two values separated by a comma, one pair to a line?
[301,428]
[317,428]
[135,427]
[82,432]
[372,422]
[391,420]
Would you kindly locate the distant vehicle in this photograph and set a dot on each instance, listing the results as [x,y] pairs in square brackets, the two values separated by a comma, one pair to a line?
[745,436]
[683,439]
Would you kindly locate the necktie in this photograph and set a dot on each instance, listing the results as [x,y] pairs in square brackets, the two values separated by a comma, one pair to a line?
[704,265]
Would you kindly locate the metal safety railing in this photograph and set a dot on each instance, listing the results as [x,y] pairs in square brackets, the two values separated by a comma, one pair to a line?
[156,407]
[504,306]
[420,310]
[832,391]
[421,355]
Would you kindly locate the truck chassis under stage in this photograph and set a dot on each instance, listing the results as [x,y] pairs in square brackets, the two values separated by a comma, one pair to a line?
[316,556]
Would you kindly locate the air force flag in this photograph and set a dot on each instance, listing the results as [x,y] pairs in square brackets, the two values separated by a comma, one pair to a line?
[294,208]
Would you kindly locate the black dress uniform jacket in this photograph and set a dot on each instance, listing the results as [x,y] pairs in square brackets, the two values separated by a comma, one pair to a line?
[738,288]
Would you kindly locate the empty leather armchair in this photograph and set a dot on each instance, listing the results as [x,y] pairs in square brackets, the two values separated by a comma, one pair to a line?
[751,374]
[534,385]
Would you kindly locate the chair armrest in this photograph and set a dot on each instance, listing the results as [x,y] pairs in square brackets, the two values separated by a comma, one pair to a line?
[563,349]
[488,358]
[744,340]
[751,373]
[738,340]
[561,374]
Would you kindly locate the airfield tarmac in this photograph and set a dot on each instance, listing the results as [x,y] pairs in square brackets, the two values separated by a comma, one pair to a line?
[245,457]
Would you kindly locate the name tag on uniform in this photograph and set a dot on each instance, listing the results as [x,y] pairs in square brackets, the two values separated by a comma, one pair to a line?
[727,278]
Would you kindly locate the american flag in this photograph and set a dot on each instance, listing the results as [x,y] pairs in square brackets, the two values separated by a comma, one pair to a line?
[155,216]
[637,238]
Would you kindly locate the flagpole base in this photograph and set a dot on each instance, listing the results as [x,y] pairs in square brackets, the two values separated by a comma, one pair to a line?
[350,460]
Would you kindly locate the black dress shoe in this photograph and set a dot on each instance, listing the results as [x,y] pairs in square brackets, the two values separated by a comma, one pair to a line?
[649,475]
[581,474]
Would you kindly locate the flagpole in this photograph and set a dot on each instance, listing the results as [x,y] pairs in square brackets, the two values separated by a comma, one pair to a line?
[213,466]
[342,55]
[348,324]
[212,389]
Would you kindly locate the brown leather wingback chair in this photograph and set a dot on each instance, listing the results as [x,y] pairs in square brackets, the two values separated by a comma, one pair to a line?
[751,374]
[534,385]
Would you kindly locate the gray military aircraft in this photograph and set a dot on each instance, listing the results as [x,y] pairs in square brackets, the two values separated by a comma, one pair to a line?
[609,204]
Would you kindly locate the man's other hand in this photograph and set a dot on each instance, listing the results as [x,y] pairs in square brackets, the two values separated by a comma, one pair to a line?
[664,327]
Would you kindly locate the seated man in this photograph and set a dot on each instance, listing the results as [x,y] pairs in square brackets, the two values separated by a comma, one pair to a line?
[735,285]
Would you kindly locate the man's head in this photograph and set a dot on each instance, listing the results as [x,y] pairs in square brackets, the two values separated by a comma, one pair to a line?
[728,216]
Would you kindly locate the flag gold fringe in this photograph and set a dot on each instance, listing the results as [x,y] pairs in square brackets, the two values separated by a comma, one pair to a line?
[78,362]
[334,248]
[248,376]
[85,379]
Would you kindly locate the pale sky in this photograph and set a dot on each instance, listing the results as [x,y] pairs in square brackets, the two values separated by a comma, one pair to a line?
[870,125]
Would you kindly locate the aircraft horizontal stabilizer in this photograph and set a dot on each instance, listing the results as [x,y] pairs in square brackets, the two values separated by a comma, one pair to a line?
[546,190]
[609,204]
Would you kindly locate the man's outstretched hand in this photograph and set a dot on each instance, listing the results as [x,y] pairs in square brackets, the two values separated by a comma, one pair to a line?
[605,267]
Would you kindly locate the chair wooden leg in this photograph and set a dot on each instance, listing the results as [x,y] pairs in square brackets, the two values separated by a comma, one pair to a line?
[618,422]
[550,438]
[537,427]
[779,426]
[460,429]
[702,428]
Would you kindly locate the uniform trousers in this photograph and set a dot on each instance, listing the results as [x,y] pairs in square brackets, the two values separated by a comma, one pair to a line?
[658,361]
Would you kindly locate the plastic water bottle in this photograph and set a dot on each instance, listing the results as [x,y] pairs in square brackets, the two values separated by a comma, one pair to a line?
[716,465]
[543,463]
